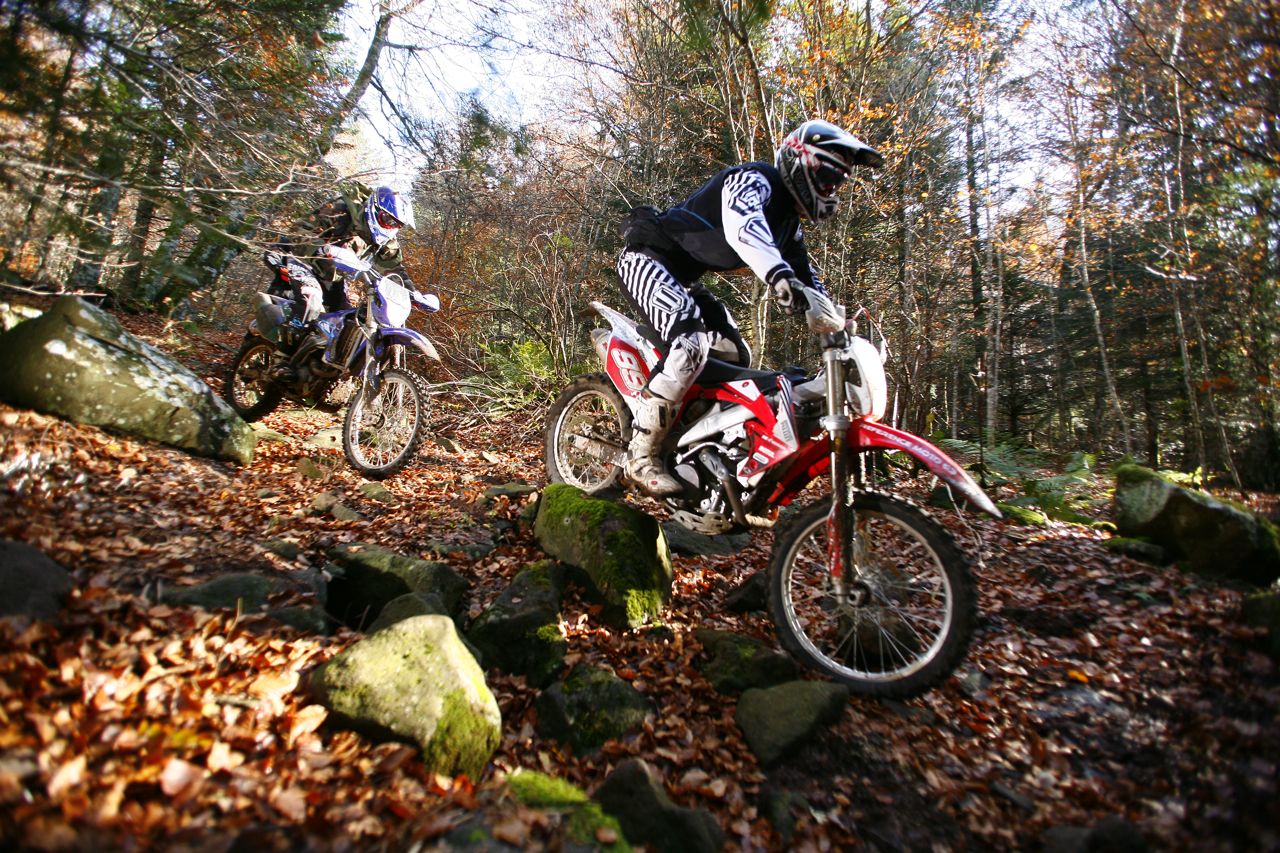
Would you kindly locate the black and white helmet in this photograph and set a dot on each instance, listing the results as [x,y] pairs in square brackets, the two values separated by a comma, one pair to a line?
[815,159]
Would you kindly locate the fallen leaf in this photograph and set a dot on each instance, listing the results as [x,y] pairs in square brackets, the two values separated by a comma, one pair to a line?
[67,777]
[290,802]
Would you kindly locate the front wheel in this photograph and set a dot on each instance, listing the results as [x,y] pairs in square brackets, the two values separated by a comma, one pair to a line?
[900,619]
[382,430]
[248,386]
[588,428]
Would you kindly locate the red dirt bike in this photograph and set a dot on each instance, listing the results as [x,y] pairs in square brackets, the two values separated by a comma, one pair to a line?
[864,587]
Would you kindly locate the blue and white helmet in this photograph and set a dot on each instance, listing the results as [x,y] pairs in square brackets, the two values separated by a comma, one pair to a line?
[385,213]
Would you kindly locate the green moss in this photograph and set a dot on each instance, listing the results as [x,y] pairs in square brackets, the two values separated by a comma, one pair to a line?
[1022,515]
[585,821]
[461,740]
[540,791]
[549,633]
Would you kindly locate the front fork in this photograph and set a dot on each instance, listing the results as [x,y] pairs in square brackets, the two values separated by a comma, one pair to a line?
[842,520]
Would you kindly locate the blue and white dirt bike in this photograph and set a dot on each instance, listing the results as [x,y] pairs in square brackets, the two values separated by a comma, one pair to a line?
[388,413]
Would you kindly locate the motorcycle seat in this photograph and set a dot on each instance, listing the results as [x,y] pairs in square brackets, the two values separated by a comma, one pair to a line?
[717,371]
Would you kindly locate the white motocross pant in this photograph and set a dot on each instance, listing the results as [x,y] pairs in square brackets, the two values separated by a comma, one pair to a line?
[690,321]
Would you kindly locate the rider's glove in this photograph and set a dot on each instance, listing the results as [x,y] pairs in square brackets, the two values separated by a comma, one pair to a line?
[790,294]
[823,315]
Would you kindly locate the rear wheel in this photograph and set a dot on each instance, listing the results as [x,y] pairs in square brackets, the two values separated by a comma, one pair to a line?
[898,622]
[588,429]
[248,386]
[382,431]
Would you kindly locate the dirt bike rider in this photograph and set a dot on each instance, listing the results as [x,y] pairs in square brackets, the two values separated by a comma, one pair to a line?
[365,220]
[746,215]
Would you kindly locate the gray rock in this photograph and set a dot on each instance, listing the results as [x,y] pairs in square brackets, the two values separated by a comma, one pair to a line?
[416,681]
[312,620]
[751,594]
[268,435]
[328,504]
[581,818]
[590,707]
[775,721]
[406,607]
[738,663]
[367,577]
[330,437]
[281,548]
[78,362]
[621,550]
[682,540]
[375,491]
[1138,549]
[1112,834]
[310,469]
[634,794]
[508,490]
[31,584]
[520,632]
[1262,610]
[1201,533]
[245,591]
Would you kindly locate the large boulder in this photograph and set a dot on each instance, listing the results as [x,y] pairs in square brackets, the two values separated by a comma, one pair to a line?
[78,362]
[31,584]
[366,578]
[621,550]
[1201,533]
[416,681]
[520,632]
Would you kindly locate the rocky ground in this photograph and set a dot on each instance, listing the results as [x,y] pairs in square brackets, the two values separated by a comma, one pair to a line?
[1100,693]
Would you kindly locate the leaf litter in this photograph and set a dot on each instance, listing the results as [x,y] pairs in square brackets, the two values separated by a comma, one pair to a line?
[1095,685]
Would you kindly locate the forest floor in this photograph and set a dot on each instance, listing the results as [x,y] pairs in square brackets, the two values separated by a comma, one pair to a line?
[1095,686]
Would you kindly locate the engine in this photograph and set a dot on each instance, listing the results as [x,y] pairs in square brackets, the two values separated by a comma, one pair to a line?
[708,468]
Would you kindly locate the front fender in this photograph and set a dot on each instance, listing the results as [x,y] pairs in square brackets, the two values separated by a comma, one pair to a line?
[409,337]
[869,434]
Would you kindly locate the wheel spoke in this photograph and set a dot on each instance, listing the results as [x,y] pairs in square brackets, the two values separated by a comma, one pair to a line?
[891,627]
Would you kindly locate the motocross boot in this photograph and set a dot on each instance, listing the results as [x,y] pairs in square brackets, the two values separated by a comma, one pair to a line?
[648,427]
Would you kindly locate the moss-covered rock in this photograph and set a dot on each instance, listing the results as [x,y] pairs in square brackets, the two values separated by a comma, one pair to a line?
[621,550]
[634,794]
[78,362]
[520,632]
[1023,515]
[1138,549]
[406,607]
[368,577]
[1200,532]
[584,822]
[313,620]
[735,662]
[416,681]
[775,721]
[590,707]
[244,591]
